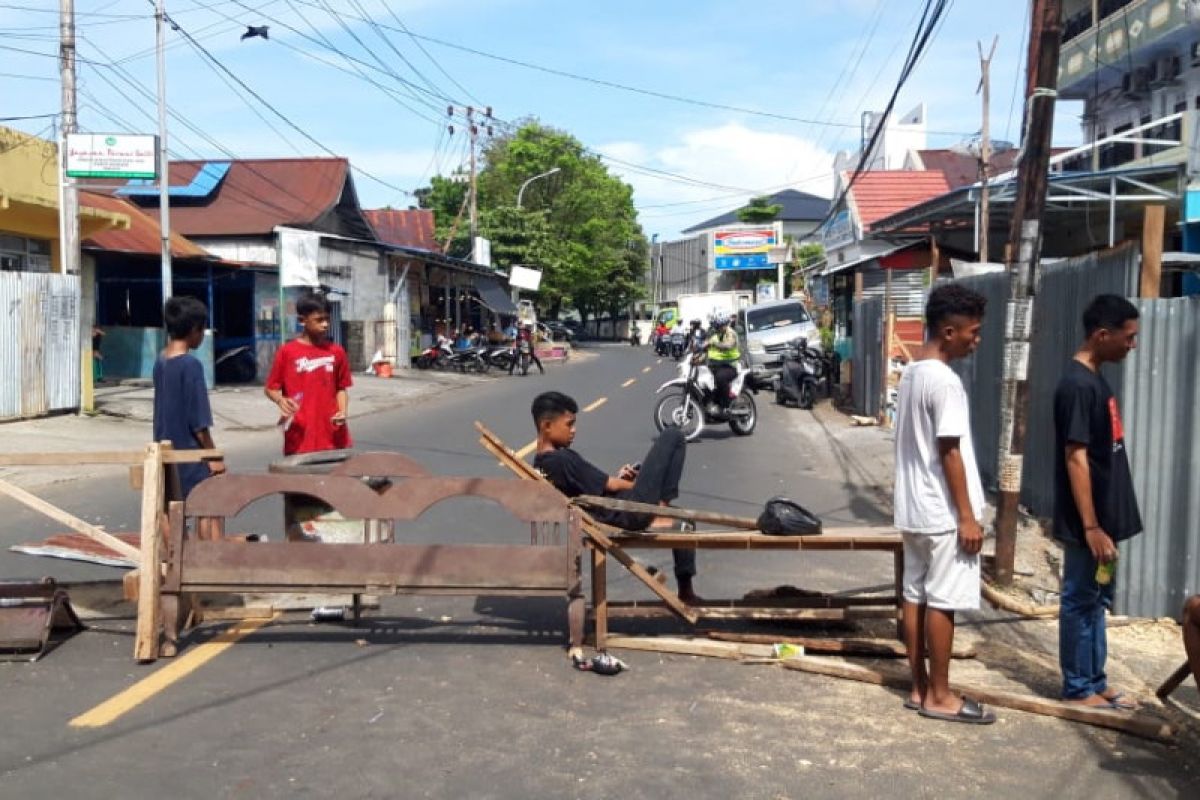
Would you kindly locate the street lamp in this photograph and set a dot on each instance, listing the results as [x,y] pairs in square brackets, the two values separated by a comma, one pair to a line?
[521,191]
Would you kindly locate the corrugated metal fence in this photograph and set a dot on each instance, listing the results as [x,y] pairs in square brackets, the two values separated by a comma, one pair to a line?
[1161,395]
[39,343]
[867,363]
[1066,289]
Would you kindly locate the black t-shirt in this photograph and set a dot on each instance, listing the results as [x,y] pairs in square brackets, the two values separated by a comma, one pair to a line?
[573,475]
[1085,412]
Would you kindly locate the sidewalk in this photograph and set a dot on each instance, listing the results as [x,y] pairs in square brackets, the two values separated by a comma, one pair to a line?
[240,414]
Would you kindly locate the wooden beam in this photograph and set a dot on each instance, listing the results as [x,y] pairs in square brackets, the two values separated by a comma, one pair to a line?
[1144,726]
[759,541]
[686,646]
[1172,683]
[146,641]
[772,613]
[711,517]
[882,648]
[1000,600]
[118,457]
[74,523]
[1153,217]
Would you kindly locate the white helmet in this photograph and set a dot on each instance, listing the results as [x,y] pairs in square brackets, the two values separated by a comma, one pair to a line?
[718,319]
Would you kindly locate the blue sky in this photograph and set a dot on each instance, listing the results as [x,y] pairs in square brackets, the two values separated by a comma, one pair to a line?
[823,60]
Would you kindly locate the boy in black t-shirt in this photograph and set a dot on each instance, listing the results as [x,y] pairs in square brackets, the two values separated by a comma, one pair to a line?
[656,481]
[1095,506]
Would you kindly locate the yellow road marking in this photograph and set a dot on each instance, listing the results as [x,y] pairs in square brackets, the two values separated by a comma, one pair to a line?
[645,369]
[123,702]
[596,405]
[629,382]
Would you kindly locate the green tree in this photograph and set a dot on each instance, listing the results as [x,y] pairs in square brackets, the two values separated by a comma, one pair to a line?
[758,210]
[578,225]
[446,198]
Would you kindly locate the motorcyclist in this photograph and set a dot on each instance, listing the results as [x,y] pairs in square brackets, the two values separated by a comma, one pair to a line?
[696,336]
[525,334]
[723,356]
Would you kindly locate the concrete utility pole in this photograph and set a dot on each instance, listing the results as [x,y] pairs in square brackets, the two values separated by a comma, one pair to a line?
[164,179]
[985,146]
[1025,246]
[69,254]
[473,213]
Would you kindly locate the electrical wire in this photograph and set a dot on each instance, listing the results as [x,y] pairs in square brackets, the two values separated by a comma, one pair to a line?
[432,60]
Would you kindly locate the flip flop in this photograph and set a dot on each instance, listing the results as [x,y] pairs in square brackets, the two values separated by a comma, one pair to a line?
[971,713]
[911,705]
[1121,703]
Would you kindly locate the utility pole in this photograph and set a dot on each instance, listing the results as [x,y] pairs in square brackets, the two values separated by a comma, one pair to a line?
[473,212]
[69,254]
[164,178]
[985,146]
[1025,247]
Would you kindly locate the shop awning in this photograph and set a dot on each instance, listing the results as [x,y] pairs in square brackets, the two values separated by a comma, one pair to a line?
[492,295]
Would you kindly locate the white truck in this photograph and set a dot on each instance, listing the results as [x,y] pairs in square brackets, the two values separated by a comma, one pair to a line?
[704,305]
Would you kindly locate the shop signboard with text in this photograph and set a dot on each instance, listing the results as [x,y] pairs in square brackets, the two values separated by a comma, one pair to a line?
[744,248]
[111,155]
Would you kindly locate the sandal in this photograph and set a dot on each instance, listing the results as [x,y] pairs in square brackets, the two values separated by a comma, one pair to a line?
[971,712]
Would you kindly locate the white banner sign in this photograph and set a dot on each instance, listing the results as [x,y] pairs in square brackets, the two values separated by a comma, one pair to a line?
[524,278]
[111,155]
[298,252]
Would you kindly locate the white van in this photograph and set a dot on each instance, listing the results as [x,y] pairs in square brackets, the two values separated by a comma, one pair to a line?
[765,330]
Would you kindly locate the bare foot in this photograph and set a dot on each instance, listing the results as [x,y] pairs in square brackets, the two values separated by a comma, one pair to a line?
[1092,701]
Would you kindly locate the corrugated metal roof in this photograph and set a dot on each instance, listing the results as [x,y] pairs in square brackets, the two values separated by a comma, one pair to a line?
[143,235]
[880,193]
[961,169]
[408,228]
[797,207]
[256,195]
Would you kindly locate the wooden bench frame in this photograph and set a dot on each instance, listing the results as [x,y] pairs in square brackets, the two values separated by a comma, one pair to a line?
[604,541]
[550,565]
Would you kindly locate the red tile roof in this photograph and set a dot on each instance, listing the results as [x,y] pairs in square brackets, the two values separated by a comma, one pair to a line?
[409,228]
[880,193]
[143,236]
[256,195]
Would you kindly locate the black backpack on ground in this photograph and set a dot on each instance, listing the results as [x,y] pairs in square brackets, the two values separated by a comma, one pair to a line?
[784,517]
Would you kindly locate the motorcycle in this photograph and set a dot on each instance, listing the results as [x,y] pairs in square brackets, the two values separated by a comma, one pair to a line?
[679,345]
[662,344]
[236,365]
[500,357]
[470,359]
[524,355]
[803,367]
[690,401]
[635,336]
[436,356]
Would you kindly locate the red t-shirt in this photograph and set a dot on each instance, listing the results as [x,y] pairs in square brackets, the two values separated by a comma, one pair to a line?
[312,375]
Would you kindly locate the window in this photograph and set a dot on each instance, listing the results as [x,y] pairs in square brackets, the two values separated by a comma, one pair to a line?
[21,254]
[775,317]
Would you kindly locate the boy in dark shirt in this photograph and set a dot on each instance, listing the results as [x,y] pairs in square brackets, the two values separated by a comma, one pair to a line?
[181,411]
[1094,506]
[308,382]
[656,481]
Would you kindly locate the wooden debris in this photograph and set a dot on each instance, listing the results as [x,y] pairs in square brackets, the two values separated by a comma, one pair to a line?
[1173,682]
[864,422]
[688,646]
[711,517]
[1143,725]
[70,520]
[879,648]
[1003,601]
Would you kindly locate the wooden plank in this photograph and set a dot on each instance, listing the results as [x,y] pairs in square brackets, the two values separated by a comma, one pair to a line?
[879,648]
[71,521]
[118,457]
[653,611]
[146,641]
[799,601]
[758,541]
[600,596]
[304,564]
[595,532]
[711,517]
[1153,216]
[1144,726]
[1000,600]
[686,646]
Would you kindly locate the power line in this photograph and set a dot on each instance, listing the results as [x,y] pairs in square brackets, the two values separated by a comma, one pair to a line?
[432,60]
[633,89]
[28,116]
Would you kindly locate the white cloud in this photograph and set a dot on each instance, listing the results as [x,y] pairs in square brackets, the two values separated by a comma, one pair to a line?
[746,160]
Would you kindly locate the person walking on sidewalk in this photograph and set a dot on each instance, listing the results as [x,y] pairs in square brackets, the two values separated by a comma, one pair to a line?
[308,382]
[1094,502]
[939,502]
[182,414]
[654,481]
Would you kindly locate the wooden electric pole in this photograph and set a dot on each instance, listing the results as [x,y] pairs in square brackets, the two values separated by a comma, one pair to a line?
[985,146]
[1025,239]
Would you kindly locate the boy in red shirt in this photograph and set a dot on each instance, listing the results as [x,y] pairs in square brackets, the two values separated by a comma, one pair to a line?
[308,382]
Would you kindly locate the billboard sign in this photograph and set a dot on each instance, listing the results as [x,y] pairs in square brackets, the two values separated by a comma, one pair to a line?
[524,278]
[111,155]
[838,232]
[744,248]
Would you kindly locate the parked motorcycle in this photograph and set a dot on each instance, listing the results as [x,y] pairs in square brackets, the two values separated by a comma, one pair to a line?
[500,357]
[471,359]
[436,356]
[690,401]
[803,368]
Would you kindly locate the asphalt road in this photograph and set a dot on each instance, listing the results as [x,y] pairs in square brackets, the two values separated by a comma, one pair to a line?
[472,697]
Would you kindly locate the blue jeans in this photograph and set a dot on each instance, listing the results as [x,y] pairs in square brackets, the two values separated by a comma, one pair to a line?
[1082,640]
